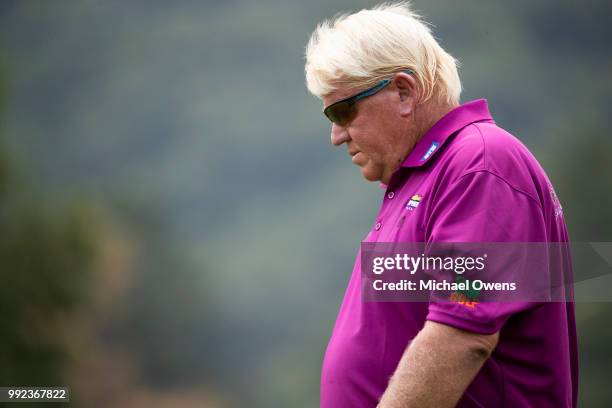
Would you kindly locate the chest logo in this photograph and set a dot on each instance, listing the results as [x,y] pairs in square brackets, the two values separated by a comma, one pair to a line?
[413,202]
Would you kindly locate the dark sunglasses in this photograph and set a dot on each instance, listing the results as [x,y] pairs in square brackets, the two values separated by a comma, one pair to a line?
[344,111]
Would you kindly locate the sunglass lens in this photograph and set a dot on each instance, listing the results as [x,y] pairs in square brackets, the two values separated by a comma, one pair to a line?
[340,113]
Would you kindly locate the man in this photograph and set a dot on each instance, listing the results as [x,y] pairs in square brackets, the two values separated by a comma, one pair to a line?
[392,95]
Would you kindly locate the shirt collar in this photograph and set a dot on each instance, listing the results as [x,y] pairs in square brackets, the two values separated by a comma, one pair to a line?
[439,133]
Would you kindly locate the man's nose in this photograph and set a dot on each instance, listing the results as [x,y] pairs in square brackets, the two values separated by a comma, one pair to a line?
[339,135]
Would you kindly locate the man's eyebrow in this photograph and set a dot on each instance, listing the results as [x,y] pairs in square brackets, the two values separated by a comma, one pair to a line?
[336,101]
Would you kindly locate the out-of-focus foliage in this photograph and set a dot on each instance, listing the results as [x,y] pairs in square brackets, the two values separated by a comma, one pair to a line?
[45,272]
[46,255]
[235,224]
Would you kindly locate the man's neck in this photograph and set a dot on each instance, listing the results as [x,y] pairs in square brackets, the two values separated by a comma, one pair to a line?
[425,116]
[430,113]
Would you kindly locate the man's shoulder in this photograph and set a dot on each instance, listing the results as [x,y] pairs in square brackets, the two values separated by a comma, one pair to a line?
[486,147]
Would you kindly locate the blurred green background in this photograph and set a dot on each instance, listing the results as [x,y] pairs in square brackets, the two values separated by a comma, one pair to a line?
[176,229]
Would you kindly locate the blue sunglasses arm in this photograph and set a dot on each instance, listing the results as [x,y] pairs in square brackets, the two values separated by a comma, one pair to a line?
[372,90]
[377,87]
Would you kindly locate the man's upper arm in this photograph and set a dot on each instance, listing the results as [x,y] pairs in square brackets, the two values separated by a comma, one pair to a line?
[482,207]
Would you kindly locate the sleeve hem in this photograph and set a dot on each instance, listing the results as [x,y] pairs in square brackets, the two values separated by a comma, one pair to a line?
[460,322]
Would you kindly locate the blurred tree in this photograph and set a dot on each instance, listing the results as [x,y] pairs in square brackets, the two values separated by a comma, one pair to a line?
[45,257]
[583,183]
[165,319]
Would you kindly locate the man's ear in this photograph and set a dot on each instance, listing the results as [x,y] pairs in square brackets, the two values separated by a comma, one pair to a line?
[408,92]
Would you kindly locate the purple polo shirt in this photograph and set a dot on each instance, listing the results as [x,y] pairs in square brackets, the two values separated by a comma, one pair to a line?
[477,183]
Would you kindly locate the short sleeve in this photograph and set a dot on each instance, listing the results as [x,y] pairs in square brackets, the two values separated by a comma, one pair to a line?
[481,207]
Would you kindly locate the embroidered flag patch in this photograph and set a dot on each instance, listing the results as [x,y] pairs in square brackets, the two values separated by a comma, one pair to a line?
[413,202]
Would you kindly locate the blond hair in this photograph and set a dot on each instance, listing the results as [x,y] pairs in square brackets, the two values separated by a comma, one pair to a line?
[360,49]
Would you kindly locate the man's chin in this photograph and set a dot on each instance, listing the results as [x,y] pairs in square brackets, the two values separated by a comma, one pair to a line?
[371,174]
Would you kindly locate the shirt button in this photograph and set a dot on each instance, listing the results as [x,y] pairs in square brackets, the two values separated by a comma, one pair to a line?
[377,226]
[390,195]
